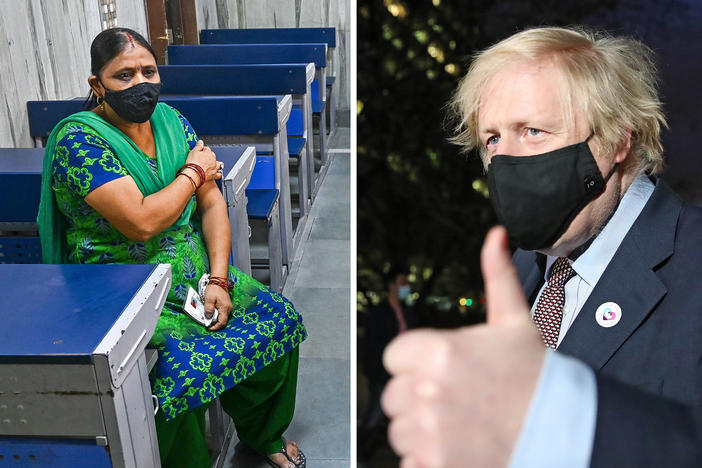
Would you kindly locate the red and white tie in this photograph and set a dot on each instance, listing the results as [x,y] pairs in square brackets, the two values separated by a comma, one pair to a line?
[549,309]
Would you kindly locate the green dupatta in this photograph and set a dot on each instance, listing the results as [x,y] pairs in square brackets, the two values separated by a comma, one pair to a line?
[171,148]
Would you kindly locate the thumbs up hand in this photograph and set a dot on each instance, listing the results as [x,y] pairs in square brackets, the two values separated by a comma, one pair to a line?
[458,398]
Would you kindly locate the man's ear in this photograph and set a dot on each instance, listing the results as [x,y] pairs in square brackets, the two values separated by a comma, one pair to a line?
[624,148]
[96,85]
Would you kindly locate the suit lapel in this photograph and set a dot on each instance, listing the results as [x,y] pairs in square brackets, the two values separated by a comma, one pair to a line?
[629,281]
[530,269]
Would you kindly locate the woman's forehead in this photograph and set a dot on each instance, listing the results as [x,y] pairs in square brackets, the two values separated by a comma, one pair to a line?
[131,57]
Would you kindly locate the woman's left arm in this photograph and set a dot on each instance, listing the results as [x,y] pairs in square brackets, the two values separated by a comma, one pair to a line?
[218,240]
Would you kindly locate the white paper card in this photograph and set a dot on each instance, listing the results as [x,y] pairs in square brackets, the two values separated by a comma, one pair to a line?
[194,307]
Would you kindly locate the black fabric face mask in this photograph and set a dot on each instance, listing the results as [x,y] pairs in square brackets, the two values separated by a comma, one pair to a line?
[537,197]
[135,104]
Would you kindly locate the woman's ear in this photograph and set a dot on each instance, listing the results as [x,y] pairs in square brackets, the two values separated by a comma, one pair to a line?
[96,85]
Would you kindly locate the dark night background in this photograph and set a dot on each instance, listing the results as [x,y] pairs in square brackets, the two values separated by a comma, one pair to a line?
[421,204]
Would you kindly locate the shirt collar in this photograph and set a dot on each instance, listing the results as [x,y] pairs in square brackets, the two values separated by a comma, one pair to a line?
[592,263]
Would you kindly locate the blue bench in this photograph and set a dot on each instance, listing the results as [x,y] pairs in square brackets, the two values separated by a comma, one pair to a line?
[20,186]
[258,80]
[283,36]
[268,36]
[268,134]
[20,189]
[229,54]
[239,163]
[257,120]
[75,382]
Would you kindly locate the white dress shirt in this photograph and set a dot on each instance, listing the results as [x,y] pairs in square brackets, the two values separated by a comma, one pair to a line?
[559,429]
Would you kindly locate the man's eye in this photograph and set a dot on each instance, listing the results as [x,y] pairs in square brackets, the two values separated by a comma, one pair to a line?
[124,76]
[149,72]
[533,131]
[493,140]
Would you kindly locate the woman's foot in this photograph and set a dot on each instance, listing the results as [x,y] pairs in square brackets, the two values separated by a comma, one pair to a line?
[290,456]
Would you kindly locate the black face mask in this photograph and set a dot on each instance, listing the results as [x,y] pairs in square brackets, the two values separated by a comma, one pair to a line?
[537,197]
[135,104]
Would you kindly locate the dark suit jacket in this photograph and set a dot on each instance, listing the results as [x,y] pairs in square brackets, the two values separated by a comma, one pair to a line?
[656,278]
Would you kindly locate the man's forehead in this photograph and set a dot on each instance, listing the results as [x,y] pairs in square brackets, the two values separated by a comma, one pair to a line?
[522,92]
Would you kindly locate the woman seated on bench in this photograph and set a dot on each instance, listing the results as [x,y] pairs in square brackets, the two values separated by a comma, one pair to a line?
[129,182]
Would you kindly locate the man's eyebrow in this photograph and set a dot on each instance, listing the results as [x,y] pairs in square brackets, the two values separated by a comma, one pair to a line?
[516,125]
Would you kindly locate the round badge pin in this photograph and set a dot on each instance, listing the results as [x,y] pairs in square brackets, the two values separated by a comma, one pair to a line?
[608,314]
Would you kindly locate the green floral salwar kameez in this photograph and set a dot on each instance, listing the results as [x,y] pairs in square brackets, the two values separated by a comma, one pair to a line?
[251,363]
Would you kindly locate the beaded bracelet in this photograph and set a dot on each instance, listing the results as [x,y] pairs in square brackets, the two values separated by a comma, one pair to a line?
[224,283]
[191,180]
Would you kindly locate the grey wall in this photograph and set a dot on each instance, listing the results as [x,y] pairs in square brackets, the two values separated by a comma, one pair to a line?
[45,54]
[214,14]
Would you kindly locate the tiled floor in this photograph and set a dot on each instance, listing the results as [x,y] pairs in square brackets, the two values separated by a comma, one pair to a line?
[318,285]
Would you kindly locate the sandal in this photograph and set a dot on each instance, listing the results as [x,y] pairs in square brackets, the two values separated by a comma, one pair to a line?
[299,462]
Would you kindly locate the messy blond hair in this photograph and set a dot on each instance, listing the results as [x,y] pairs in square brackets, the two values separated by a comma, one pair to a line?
[612,80]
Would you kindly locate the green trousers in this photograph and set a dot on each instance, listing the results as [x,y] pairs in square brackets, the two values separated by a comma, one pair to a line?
[261,406]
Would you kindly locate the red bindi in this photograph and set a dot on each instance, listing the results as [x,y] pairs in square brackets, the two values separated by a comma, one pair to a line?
[131,40]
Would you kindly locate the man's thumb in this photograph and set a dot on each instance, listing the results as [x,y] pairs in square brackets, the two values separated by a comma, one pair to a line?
[503,293]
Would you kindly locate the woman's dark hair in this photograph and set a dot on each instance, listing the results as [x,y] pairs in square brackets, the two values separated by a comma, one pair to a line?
[106,46]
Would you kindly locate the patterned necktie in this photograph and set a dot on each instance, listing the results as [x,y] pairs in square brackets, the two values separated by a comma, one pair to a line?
[549,309]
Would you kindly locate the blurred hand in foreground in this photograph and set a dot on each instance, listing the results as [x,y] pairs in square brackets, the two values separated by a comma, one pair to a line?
[459,398]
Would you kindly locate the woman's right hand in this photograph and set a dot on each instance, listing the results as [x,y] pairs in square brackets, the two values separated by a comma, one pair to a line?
[204,157]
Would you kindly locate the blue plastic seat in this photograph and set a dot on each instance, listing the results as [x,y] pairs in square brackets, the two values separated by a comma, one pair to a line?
[317,103]
[261,202]
[295,146]
[296,125]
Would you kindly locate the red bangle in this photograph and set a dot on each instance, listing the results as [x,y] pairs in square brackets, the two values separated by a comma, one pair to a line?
[224,283]
[199,170]
[191,180]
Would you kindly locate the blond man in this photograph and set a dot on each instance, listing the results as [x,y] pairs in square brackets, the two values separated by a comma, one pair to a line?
[567,123]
